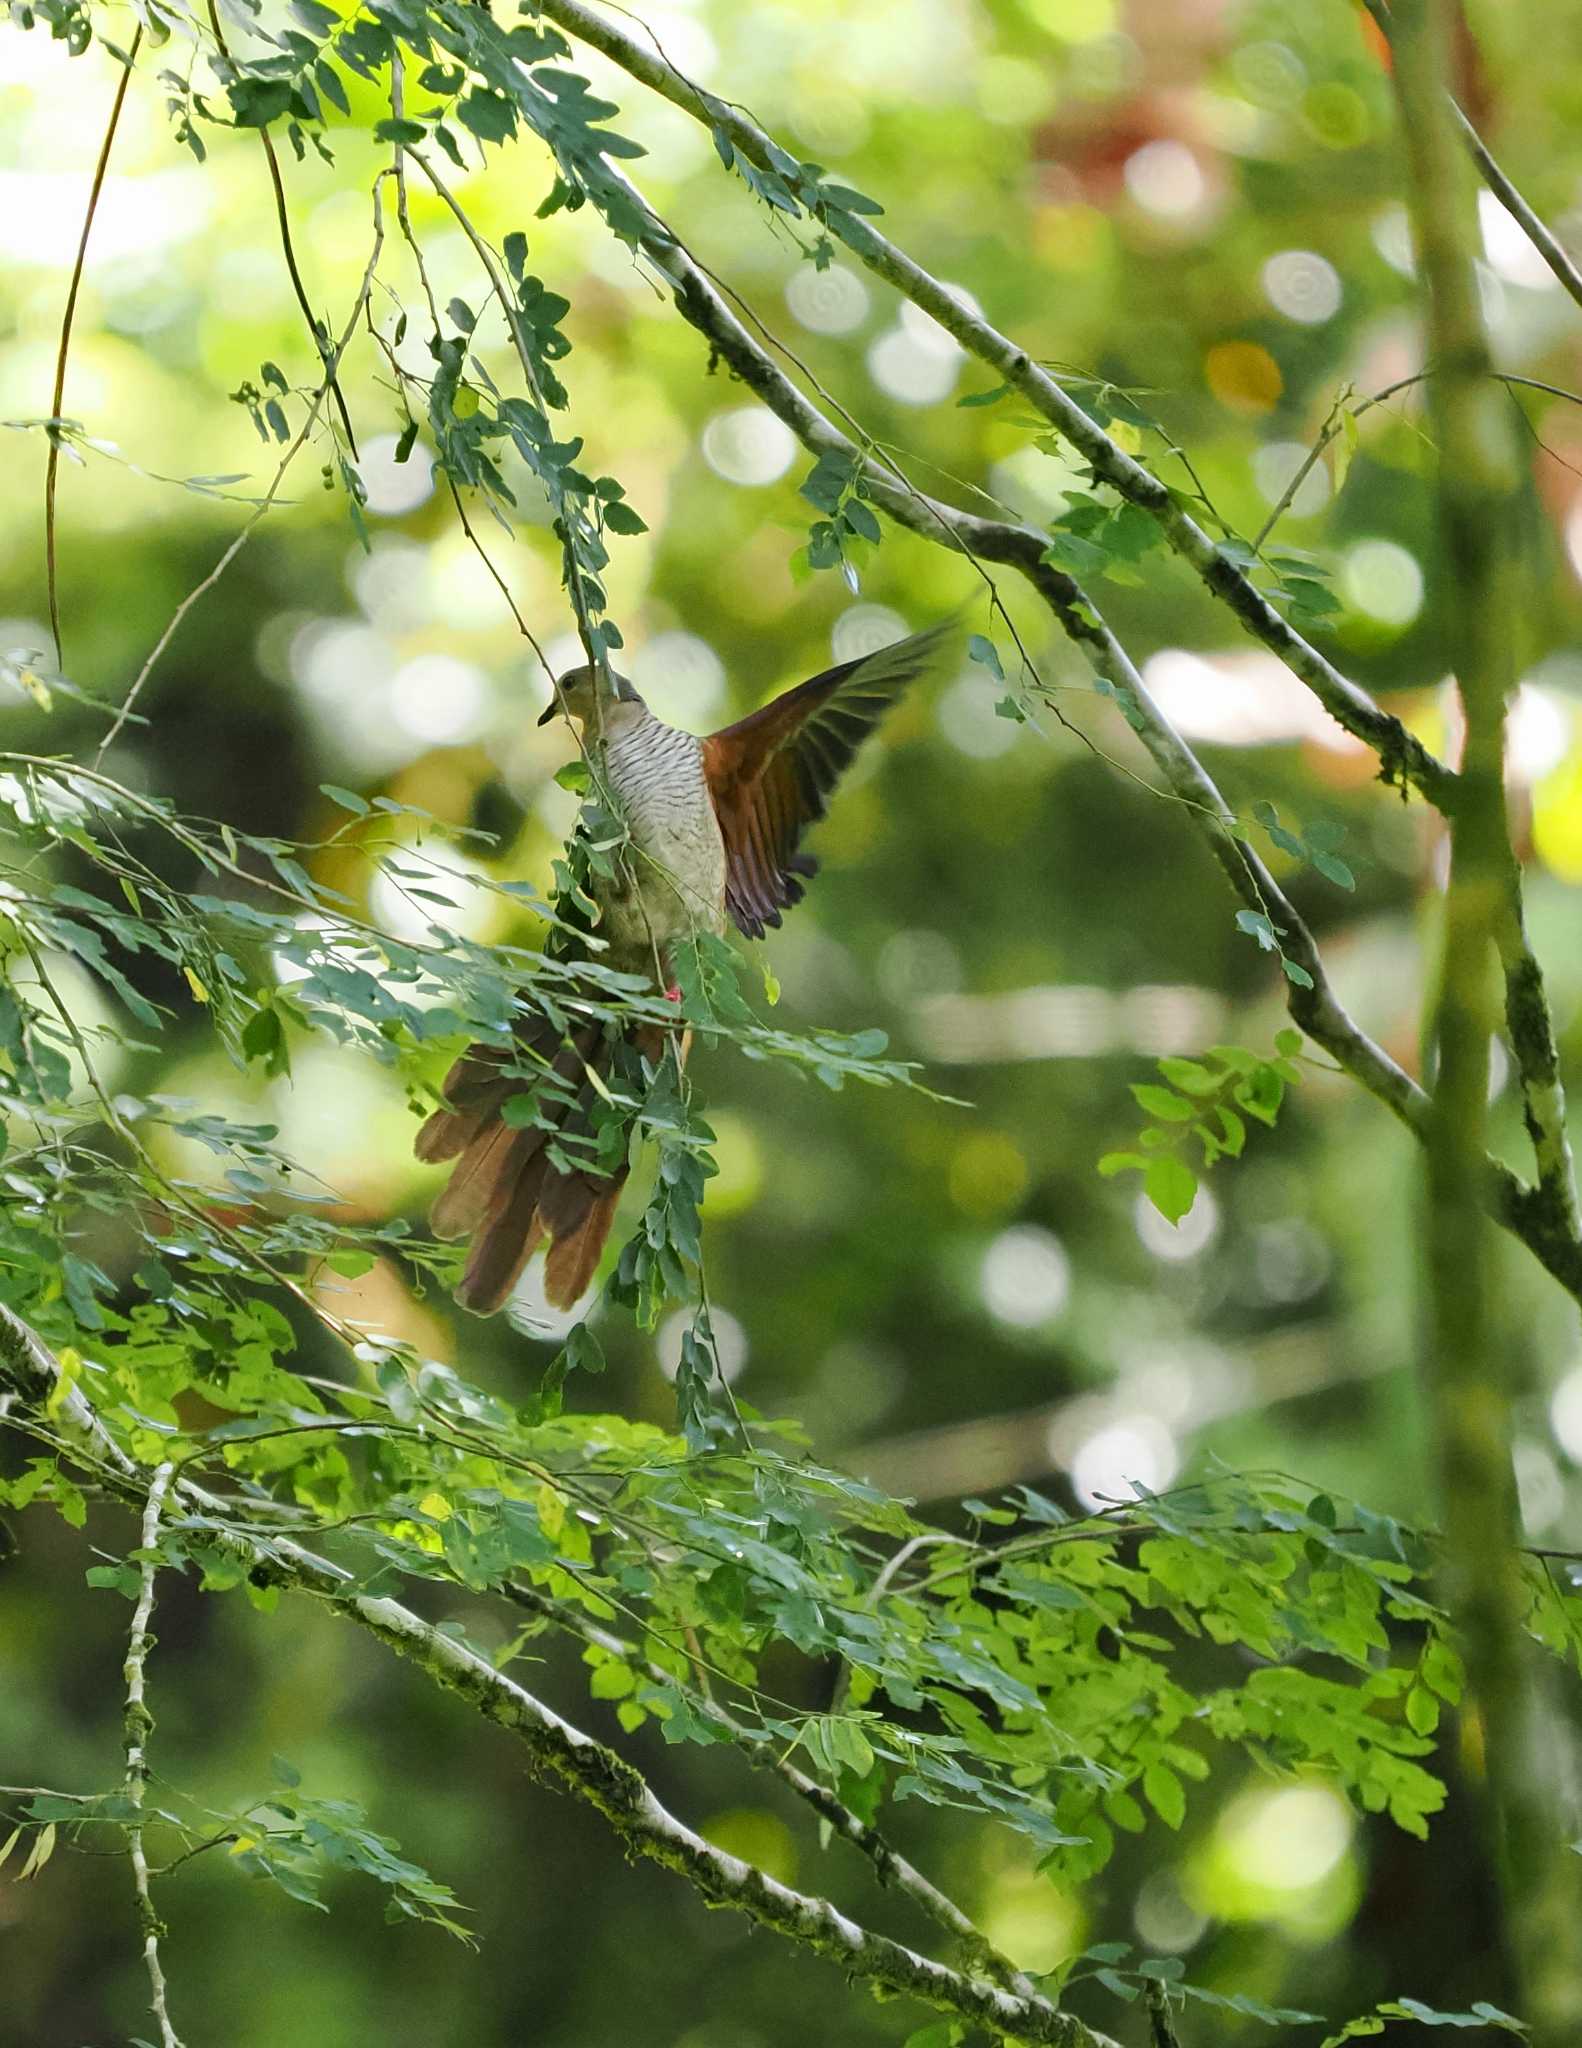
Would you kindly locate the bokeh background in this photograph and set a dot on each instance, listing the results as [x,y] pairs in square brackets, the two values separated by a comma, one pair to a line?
[1196,199]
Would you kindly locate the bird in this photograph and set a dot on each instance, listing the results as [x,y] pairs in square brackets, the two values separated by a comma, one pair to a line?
[714,829]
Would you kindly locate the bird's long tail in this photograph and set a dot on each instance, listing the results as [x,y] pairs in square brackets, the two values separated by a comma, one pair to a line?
[550,1177]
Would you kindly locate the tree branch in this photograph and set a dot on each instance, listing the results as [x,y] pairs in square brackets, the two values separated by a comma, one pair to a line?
[1404,757]
[559,1751]
[1548,247]
[332,362]
[1542,239]
[1544,1225]
[138,1724]
[1547,1216]
[892,1867]
[63,351]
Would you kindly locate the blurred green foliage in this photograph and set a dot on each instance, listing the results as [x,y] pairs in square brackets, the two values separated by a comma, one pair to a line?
[1193,209]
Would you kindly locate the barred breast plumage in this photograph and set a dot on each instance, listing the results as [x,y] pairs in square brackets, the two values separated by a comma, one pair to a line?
[674,882]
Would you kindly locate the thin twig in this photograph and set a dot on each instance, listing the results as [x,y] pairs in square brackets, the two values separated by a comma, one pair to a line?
[283,217]
[138,1723]
[62,352]
[268,499]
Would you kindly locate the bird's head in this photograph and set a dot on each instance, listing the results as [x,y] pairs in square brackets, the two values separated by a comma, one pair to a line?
[581,690]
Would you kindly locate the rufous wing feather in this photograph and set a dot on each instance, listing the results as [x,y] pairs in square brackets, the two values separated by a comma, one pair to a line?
[771,774]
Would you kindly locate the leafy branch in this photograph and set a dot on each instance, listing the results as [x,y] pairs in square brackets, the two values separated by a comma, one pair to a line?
[560,1751]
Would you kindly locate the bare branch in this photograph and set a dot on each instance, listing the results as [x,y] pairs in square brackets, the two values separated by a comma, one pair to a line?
[1542,239]
[137,1724]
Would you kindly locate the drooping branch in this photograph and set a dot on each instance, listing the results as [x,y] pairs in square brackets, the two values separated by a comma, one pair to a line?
[560,1752]
[288,456]
[63,350]
[1547,1228]
[317,332]
[1467,1369]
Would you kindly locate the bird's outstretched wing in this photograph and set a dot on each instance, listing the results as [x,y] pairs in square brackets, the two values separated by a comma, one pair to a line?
[771,773]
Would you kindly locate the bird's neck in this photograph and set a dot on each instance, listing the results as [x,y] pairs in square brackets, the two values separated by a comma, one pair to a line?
[621,715]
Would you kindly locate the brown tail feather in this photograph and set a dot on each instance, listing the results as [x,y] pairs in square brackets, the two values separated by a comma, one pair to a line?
[475,1090]
[463,1202]
[507,1190]
[574,1257]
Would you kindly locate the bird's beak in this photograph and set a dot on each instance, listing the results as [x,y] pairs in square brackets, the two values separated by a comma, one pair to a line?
[548,711]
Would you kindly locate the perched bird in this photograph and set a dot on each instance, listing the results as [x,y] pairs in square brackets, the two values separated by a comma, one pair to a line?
[714,827]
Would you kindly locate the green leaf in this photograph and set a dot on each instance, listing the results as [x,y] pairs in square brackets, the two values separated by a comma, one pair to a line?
[1331,868]
[1078,557]
[348,799]
[1191,1075]
[620,518]
[1171,1185]
[1163,1791]
[490,115]
[583,1351]
[982,650]
[1163,1103]
[861,519]
[849,201]
[1257,924]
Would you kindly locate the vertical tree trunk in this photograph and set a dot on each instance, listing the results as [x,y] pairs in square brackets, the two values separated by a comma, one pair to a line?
[1468,1357]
